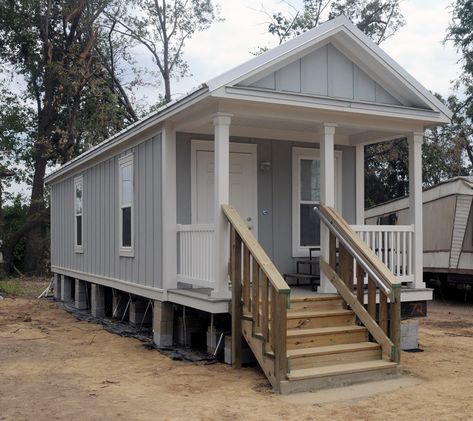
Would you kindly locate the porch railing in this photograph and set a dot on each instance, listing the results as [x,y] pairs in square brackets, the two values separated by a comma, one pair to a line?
[357,261]
[195,254]
[260,299]
[393,244]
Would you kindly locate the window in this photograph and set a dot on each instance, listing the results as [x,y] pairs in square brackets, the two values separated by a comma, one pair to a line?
[78,214]
[306,195]
[126,205]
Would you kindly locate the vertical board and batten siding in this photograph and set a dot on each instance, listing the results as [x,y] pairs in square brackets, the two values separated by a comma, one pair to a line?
[325,72]
[100,220]
[274,191]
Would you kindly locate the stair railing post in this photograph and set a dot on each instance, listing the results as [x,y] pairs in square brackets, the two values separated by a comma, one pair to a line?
[395,328]
[280,338]
[235,267]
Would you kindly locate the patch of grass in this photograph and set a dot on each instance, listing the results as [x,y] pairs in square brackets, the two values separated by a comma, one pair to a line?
[23,287]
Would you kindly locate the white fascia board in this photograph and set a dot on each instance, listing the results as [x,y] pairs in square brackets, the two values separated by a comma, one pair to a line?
[397,70]
[328,104]
[273,56]
[319,36]
[132,130]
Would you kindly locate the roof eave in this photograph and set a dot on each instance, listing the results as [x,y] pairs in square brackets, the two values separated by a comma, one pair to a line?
[151,120]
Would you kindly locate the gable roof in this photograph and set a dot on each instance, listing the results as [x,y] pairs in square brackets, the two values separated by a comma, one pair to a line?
[353,44]
[396,84]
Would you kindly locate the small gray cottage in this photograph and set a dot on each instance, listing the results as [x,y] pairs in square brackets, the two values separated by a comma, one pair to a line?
[207,202]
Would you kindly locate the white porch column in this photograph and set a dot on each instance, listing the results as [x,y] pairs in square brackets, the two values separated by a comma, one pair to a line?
[168,173]
[221,255]
[327,192]
[415,203]
[360,184]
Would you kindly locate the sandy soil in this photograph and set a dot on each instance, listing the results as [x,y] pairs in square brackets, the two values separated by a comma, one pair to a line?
[55,367]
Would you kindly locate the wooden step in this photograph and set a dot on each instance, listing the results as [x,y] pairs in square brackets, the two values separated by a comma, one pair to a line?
[338,369]
[316,302]
[333,354]
[336,335]
[304,319]
[313,379]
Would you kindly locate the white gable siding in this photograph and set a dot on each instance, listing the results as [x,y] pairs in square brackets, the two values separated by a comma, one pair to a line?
[325,72]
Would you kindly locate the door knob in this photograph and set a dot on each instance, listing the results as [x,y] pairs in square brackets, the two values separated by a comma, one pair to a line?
[248,219]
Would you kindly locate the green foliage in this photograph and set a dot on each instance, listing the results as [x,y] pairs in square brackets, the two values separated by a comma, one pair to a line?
[379,19]
[15,216]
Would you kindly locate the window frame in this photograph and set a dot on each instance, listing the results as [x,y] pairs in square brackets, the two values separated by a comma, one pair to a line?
[78,181]
[126,251]
[299,154]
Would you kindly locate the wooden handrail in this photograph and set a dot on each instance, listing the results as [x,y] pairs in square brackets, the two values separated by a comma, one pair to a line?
[339,226]
[354,252]
[257,252]
[260,296]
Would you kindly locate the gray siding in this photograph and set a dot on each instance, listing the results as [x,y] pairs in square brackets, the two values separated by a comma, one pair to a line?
[100,219]
[325,72]
[274,192]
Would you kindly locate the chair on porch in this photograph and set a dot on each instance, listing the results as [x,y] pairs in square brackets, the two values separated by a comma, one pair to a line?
[306,270]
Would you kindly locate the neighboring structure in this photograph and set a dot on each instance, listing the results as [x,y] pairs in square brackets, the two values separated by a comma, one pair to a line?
[146,212]
[448,228]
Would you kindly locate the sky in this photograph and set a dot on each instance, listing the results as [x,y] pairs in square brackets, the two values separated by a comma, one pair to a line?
[418,46]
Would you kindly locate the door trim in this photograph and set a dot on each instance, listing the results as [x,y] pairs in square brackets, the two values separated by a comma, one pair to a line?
[208,145]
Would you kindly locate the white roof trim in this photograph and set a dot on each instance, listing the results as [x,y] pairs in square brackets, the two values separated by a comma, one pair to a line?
[149,121]
[318,35]
[281,53]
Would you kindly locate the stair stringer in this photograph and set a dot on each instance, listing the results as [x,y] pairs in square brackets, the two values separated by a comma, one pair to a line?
[257,346]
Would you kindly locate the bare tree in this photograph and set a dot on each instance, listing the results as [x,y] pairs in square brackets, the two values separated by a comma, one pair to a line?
[163,27]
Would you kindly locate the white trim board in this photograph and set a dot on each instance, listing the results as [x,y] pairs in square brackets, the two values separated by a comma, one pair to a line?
[208,145]
[299,153]
[132,288]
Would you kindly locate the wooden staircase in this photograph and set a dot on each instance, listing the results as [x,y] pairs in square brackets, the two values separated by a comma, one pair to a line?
[318,341]
[327,348]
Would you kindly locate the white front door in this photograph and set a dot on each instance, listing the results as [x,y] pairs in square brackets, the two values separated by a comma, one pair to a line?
[243,187]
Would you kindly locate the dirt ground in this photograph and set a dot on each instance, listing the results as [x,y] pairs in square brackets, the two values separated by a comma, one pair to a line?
[55,367]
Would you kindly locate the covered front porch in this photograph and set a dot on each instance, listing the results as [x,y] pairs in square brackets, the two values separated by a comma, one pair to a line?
[274,167]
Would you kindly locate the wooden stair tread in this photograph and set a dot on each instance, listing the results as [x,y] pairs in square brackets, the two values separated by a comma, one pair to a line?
[300,314]
[332,349]
[325,330]
[339,369]
[313,298]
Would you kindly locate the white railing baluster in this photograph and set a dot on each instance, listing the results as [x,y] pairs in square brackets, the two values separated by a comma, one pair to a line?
[392,244]
[195,254]
[404,255]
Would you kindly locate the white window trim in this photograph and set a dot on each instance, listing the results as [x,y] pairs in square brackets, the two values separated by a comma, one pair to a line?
[299,154]
[126,251]
[78,181]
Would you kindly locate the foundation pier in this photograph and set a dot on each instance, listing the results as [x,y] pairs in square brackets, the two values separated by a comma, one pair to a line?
[57,286]
[81,295]
[97,301]
[66,288]
[163,322]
